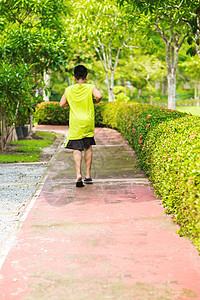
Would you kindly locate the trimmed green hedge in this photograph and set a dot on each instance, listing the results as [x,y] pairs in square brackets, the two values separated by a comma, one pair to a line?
[168,146]
[173,153]
[50,113]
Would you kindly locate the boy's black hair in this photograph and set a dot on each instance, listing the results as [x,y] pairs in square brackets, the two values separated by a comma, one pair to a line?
[80,72]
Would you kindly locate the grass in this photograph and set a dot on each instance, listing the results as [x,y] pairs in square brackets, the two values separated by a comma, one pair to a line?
[46,135]
[11,158]
[33,143]
[28,150]
[193,110]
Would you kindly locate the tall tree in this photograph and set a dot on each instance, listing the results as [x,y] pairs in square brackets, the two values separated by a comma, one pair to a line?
[142,70]
[31,34]
[167,18]
[191,69]
[104,27]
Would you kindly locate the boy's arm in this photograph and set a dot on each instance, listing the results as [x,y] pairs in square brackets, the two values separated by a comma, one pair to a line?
[97,95]
[63,101]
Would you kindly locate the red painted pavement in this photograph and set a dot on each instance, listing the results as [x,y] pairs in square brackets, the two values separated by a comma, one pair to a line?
[109,240]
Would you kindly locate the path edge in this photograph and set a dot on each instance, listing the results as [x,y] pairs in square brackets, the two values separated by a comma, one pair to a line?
[12,236]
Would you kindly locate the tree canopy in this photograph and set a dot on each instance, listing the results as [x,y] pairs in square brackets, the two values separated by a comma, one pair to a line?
[32,40]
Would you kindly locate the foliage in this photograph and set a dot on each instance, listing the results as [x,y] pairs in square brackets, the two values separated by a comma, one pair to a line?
[193,22]
[14,90]
[103,26]
[168,20]
[32,40]
[175,171]
[33,34]
[15,97]
[98,110]
[39,47]
[50,113]
[191,67]
[110,114]
[142,70]
[119,92]
[134,121]
[167,143]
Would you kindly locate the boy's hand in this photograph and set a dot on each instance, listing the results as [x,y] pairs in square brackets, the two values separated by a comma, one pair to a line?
[97,95]
[63,101]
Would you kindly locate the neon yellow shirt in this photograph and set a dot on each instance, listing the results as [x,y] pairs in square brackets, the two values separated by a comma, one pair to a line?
[81,116]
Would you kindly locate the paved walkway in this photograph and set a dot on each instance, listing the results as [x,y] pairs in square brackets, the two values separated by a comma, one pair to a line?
[109,240]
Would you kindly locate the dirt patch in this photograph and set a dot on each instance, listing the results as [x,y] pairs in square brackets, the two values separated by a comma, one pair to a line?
[47,152]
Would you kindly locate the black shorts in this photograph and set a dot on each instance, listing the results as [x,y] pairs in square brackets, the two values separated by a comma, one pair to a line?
[81,144]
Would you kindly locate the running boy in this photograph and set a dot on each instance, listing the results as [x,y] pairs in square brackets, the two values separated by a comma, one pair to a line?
[79,97]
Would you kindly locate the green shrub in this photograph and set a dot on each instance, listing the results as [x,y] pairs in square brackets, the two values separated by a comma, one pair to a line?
[110,113]
[119,92]
[173,153]
[167,143]
[50,113]
[98,110]
[135,120]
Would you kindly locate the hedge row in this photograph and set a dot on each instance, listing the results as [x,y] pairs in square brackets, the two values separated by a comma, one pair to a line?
[50,113]
[168,146]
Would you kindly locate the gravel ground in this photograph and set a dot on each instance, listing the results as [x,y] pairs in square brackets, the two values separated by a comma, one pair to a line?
[17,184]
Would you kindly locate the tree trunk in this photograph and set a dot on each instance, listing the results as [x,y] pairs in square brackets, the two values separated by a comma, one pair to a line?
[131,91]
[3,130]
[108,87]
[197,36]
[198,98]
[139,93]
[164,86]
[171,63]
[173,44]
[171,91]
[47,85]
[106,60]
[111,94]
[198,50]
[125,92]
[151,99]
[195,90]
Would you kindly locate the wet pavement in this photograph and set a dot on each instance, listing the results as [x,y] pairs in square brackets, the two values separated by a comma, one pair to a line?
[108,240]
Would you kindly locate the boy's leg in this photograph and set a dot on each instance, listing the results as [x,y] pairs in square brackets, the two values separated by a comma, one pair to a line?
[88,161]
[78,159]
